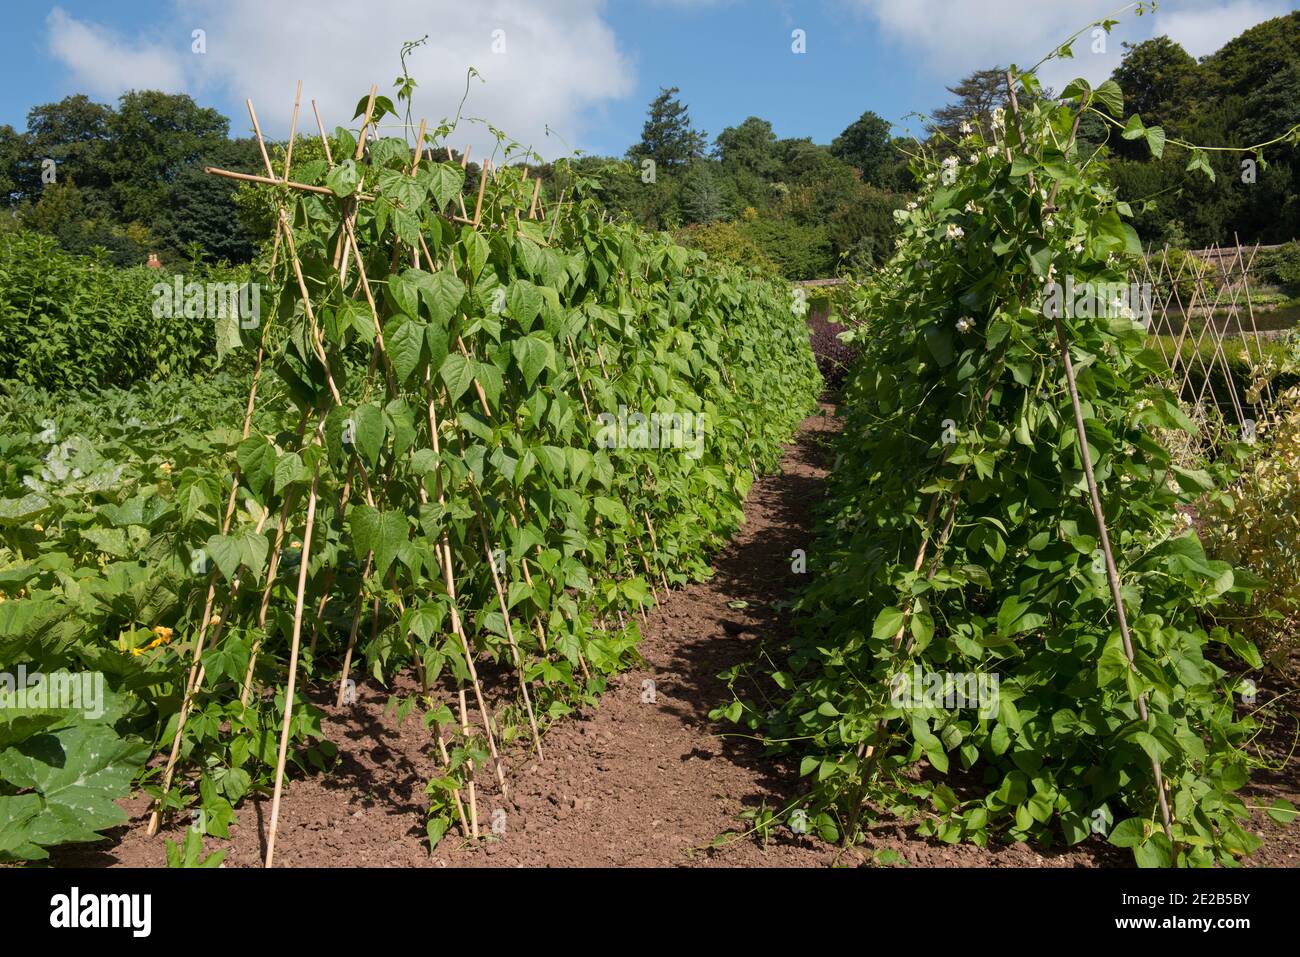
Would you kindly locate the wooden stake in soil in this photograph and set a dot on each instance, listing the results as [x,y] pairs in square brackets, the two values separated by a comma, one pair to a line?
[1112,573]
[293,656]
[510,632]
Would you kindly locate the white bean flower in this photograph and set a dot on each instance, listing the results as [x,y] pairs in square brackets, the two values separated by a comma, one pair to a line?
[966,129]
[1078,249]
[999,118]
[965,324]
[973,207]
[955,231]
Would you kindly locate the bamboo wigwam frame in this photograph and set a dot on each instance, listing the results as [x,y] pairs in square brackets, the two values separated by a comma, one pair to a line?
[349,264]
[1171,318]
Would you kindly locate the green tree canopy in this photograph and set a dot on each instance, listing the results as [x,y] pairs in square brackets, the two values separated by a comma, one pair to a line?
[668,136]
[74,133]
[978,95]
[153,136]
[1156,76]
[750,147]
[865,144]
[701,197]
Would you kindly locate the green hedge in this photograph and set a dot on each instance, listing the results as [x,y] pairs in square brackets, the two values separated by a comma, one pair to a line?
[72,322]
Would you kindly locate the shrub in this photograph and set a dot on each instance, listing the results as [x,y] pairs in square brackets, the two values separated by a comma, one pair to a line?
[800,252]
[1184,269]
[72,322]
[1256,523]
[1281,266]
[724,242]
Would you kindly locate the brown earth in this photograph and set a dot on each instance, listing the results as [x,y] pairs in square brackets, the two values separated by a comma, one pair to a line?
[632,781]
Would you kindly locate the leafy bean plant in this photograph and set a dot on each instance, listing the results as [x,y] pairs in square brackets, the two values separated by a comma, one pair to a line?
[71,322]
[444,470]
[960,661]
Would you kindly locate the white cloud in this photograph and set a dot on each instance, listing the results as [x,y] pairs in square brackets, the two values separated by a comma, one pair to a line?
[560,61]
[104,64]
[957,36]
[953,37]
[1202,31]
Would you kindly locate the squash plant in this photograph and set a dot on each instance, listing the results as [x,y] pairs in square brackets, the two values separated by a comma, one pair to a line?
[959,538]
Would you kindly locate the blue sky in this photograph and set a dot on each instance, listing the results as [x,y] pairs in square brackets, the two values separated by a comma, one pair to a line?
[583,68]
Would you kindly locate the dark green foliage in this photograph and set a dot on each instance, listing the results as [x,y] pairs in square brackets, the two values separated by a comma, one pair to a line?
[701,196]
[1157,77]
[128,179]
[152,137]
[800,252]
[668,137]
[1280,266]
[1247,92]
[74,133]
[70,322]
[865,144]
[11,145]
[203,211]
[749,149]
[959,543]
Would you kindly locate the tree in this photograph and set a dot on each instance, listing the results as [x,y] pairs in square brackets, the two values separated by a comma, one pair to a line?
[667,136]
[11,149]
[203,211]
[1246,63]
[726,242]
[865,145]
[701,198]
[1260,70]
[59,209]
[800,252]
[74,133]
[153,136]
[1158,78]
[750,148]
[978,95]
[1246,92]
[862,230]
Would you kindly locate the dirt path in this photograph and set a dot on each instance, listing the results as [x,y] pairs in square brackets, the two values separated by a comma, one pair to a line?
[630,782]
[641,782]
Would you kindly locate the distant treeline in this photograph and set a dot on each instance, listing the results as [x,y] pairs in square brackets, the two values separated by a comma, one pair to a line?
[129,179]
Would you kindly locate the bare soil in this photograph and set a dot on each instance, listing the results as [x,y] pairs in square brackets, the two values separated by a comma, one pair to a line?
[633,781]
